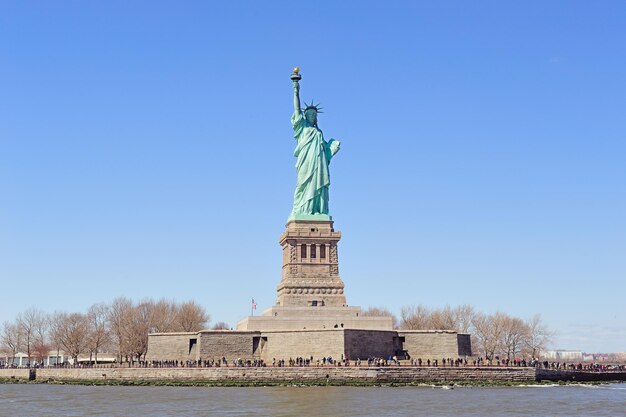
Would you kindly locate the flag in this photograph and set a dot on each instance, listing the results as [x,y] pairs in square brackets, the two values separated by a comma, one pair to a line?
[253,304]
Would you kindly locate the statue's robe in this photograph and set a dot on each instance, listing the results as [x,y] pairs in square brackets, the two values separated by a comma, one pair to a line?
[314,155]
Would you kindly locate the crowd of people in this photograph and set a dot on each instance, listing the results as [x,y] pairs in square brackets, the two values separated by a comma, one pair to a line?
[592,367]
[345,362]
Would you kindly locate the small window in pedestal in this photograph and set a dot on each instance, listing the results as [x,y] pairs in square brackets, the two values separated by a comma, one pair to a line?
[303,251]
[313,251]
[314,303]
[322,251]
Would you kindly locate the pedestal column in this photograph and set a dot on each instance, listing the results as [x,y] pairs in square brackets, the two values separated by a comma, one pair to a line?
[310,281]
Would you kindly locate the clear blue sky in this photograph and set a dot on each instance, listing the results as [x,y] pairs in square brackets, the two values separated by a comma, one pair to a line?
[146,151]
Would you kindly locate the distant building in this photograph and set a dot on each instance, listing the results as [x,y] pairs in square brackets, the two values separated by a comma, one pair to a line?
[103,358]
[20,360]
[563,355]
[54,357]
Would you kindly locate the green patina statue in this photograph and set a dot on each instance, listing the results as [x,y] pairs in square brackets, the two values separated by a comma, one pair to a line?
[310,201]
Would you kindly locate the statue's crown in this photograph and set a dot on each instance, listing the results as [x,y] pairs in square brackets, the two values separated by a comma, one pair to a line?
[312,106]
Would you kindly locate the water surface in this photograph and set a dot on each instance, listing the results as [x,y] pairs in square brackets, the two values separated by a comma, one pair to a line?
[71,400]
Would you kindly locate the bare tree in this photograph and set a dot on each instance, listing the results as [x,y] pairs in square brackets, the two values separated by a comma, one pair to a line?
[415,318]
[29,322]
[493,335]
[138,326]
[130,324]
[514,334]
[538,336]
[119,312]
[41,340]
[55,332]
[488,330]
[380,312]
[11,338]
[499,334]
[164,316]
[220,325]
[463,317]
[443,319]
[420,317]
[99,334]
[73,332]
[192,317]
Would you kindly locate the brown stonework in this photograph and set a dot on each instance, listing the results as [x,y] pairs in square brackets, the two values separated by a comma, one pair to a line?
[363,344]
[314,343]
[310,273]
[317,343]
[229,344]
[323,375]
[172,346]
[434,344]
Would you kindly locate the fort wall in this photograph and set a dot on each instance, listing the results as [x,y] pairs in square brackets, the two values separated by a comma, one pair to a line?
[364,344]
[435,344]
[306,343]
[229,344]
[286,344]
[172,346]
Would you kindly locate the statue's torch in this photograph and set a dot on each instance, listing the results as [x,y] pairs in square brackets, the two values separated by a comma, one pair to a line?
[296,75]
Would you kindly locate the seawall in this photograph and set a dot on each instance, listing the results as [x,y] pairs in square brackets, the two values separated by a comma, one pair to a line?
[304,375]
[556,375]
[292,375]
[17,375]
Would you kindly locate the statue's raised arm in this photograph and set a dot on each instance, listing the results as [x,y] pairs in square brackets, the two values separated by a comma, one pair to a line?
[296,77]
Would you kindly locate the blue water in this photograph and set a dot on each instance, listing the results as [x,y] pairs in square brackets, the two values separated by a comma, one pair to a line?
[68,400]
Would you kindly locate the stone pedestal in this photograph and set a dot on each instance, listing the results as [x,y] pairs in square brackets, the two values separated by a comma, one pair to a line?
[310,295]
[310,275]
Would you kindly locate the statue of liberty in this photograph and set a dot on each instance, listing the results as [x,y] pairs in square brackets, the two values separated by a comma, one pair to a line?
[310,200]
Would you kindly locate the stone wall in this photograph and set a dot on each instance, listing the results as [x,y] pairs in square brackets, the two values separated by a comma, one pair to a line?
[229,344]
[580,376]
[267,345]
[332,375]
[363,344]
[455,374]
[19,374]
[430,344]
[172,346]
[305,343]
